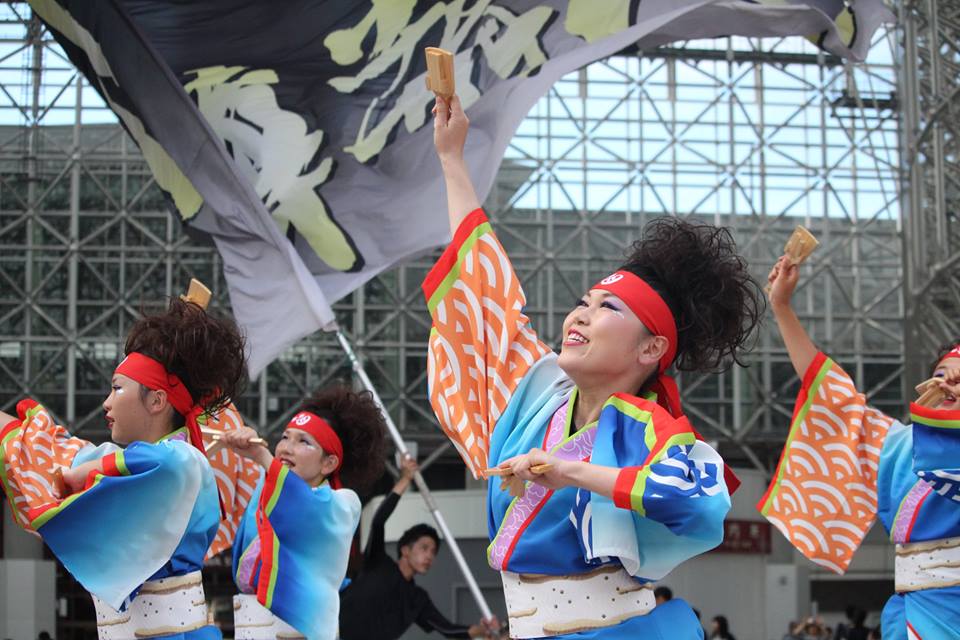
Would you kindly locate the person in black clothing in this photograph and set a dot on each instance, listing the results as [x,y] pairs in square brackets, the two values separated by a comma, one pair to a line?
[721,629]
[383,600]
[854,628]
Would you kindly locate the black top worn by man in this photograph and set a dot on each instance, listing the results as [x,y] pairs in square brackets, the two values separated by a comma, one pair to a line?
[383,600]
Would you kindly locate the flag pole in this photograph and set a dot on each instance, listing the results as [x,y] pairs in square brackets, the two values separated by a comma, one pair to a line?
[418,479]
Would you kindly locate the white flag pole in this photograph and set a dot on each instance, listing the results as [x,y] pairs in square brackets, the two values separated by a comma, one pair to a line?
[421,485]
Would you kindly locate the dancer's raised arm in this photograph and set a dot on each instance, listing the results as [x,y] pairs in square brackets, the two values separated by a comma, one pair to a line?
[481,344]
[832,425]
[450,126]
[783,280]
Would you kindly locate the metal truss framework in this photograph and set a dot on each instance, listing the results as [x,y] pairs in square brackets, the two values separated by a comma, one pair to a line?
[756,135]
[931,194]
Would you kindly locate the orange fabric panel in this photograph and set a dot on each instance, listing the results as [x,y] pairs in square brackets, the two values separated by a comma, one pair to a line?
[31,452]
[237,478]
[824,496]
[481,344]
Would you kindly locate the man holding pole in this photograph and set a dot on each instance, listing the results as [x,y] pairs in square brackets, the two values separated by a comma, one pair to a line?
[383,600]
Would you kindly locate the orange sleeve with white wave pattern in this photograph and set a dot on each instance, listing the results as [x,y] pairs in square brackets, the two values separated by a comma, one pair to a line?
[823,497]
[481,343]
[31,449]
[236,476]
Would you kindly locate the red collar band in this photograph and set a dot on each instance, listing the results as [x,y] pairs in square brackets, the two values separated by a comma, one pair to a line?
[325,436]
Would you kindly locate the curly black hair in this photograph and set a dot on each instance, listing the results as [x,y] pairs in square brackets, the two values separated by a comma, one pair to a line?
[944,349]
[207,353]
[359,423]
[696,270]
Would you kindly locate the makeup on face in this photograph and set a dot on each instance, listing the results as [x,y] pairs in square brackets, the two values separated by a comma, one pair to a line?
[124,411]
[299,451]
[601,338]
[950,400]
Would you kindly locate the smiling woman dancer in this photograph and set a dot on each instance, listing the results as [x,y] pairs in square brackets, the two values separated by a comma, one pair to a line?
[291,550]
[631,492]
[138,520]
[846,459]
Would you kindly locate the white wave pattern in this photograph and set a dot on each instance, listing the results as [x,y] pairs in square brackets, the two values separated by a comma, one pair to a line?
[30,459]
[236,479]
[481,347]
[831,462]
[945,482]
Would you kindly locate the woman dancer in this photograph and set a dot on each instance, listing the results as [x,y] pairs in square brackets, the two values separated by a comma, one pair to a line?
[291,550]
[133,524]
[630,492]
[846,460]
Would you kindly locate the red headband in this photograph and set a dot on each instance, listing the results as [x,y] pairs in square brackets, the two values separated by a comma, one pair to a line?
[953,353]
[647,305]
[153,375]
[656,316]
[325,436]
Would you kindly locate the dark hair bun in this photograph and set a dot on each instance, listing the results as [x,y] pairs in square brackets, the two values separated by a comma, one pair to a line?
[359,424]
[205,352]
[696,270]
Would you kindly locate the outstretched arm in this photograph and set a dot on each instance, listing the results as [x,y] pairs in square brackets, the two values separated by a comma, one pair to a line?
[563,473]
[676,474]
[450,125]
[376,542]
[242,442]
[783,280]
